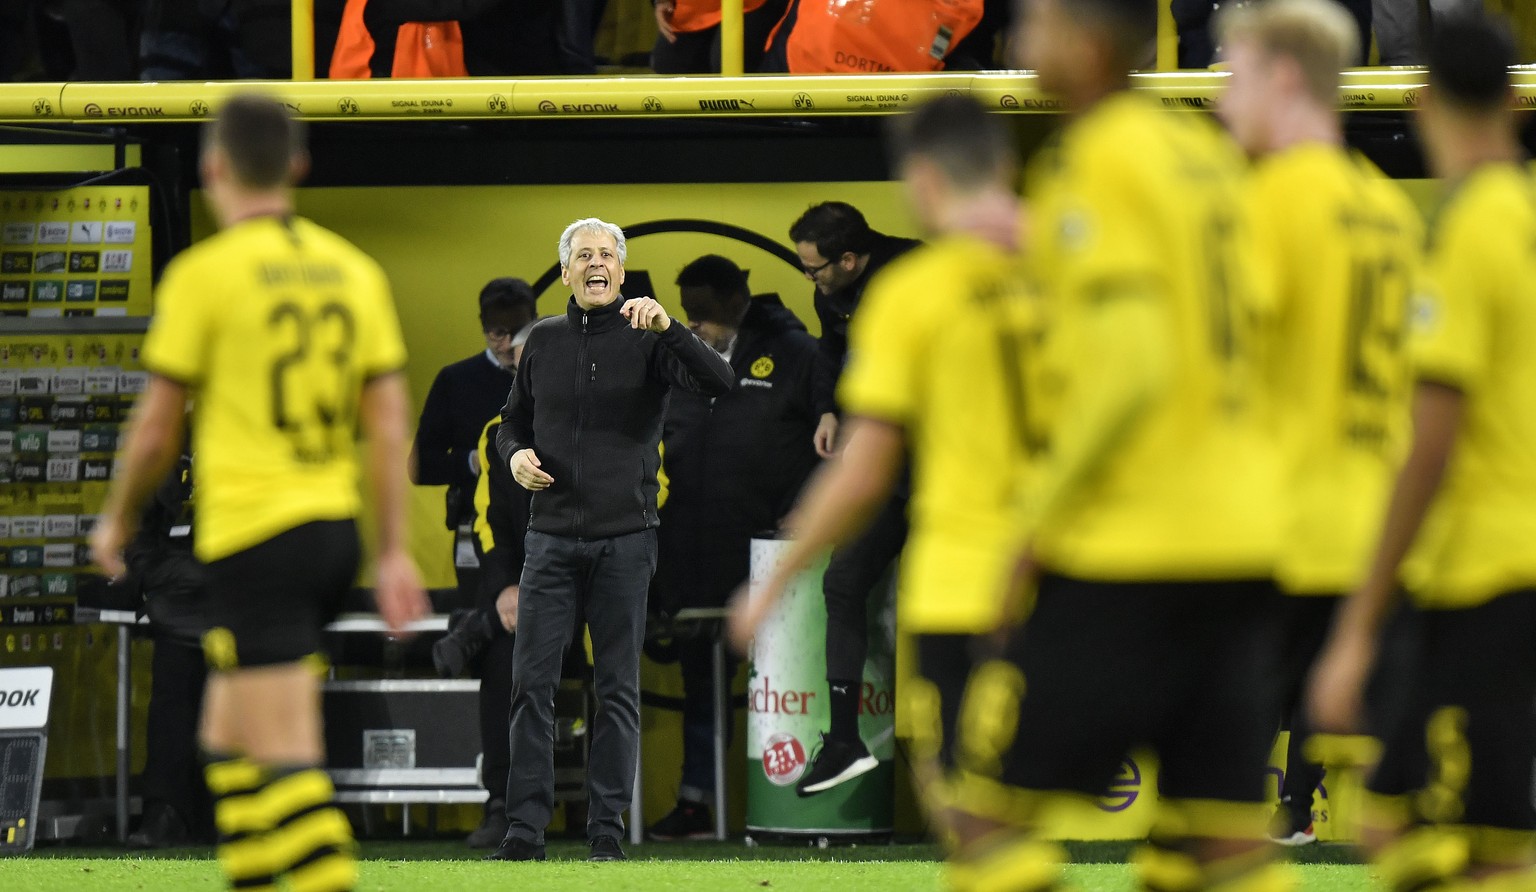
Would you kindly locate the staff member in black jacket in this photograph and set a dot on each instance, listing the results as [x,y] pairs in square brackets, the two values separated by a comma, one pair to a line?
[463,395]
[581,431]
[841,254]
[734,466]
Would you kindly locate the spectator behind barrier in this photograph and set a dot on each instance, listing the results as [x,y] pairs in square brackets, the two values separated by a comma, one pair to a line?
[688,34]
[876,37]
[102,34]
[193,40]
[490,38]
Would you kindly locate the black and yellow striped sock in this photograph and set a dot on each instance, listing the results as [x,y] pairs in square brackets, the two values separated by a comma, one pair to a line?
[311,840]
[1163,865]
[1009,862]
[1425,858]
[237,785]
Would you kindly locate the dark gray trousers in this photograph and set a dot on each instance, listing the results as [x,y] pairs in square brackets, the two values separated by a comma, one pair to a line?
[606,581]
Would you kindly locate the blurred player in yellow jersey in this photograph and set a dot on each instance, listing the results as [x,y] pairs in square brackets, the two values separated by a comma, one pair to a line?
[1338,247]
[1450,802]
[284,337]
[939,352]
[1152,510]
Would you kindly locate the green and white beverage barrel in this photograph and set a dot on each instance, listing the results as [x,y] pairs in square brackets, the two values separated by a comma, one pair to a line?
[787,710]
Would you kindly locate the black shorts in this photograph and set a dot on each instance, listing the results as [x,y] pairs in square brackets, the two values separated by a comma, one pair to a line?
[1466,735]
[268,604]
[1179,667]
[1304,622]
[944,665]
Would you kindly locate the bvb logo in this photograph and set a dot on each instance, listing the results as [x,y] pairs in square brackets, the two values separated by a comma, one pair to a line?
[1411,98]
[346,105]
[496,103]
[198,108]
[42,107]
[762,367]
[1009,101]
[547,107]
[804,100]
[652,104]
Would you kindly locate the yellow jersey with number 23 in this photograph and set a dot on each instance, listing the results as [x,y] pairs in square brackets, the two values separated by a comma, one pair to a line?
[274,324]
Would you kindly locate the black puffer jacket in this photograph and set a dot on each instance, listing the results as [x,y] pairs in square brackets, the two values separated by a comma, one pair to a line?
[736,463]
[589,400]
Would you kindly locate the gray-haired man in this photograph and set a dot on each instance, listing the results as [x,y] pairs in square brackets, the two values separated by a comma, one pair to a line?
[580,430]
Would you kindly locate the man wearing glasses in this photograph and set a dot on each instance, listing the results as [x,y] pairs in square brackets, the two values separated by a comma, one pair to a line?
[841,254]
[464,396]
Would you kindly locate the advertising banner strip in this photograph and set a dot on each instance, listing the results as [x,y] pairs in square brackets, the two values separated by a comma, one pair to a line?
[31,102]
[1388,89]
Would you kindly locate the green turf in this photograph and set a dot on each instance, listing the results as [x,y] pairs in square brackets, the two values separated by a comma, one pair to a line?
[440,866]
[79,875]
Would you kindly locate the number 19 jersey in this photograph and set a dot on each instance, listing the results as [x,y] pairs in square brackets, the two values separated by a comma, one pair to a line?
[1340,244]
[274,324]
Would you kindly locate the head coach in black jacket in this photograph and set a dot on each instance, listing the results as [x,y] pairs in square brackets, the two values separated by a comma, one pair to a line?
[734,467]
[581,431]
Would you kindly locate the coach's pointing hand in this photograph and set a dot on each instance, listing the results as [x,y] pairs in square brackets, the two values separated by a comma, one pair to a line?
[645,313]
[526,470]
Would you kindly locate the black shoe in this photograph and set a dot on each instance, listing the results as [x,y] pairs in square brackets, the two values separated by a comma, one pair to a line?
[162,827]
[835,762]
[606,848]
[493,829]
[514,849]
[689,820]
[468,634]
[1290,830]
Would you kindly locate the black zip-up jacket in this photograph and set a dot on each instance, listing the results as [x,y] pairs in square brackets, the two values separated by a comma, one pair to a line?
[836,310]
[589,399]
[736,463]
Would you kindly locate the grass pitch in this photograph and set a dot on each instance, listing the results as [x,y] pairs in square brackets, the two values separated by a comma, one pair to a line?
[446,867]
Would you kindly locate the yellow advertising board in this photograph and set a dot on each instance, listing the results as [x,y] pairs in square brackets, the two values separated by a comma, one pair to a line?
[75,252]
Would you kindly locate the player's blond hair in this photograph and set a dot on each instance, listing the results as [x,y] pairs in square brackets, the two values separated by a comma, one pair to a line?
[1318,35]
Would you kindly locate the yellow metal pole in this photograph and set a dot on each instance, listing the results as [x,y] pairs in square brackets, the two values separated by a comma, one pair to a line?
[1167,38]
[731,38]
[303,40]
